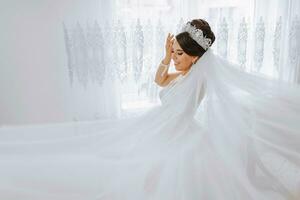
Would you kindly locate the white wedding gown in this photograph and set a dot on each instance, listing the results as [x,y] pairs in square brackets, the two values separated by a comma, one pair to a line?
[219,134]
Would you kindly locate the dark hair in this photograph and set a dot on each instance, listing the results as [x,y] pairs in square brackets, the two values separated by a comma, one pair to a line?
[190,46]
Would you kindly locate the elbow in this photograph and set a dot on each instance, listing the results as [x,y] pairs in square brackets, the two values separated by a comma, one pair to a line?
[160,83]
[161,80]
[157,82]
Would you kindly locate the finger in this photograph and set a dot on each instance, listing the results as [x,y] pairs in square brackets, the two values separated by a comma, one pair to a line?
[168,37]
[171,38]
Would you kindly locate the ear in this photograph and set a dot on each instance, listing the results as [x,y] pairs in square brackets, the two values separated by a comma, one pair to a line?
[195,58]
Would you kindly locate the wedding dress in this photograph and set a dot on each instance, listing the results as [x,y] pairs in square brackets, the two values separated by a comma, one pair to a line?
[218,134]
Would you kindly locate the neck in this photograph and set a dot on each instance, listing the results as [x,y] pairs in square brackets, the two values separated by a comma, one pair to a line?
[184,72]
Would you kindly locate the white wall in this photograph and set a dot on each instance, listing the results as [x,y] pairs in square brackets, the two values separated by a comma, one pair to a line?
[34,82]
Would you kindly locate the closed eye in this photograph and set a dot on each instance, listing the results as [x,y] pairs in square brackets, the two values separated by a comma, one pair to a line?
[179,52]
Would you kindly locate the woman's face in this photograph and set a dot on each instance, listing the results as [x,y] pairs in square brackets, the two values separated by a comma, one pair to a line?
[182,61]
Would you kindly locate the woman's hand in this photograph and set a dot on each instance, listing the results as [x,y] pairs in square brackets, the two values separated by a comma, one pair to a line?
[168,47]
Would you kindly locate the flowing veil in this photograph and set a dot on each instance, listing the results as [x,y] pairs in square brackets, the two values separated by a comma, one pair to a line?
[255,120]
[219,133]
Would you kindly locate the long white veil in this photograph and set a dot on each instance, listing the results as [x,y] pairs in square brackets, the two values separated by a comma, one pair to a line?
[254,122]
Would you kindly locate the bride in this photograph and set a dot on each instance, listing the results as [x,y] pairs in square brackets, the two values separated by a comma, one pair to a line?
[219,134]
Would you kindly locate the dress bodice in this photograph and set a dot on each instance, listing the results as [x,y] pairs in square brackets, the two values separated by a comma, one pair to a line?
[169,86]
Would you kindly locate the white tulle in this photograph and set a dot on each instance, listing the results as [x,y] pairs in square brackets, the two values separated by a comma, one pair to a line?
[219,134]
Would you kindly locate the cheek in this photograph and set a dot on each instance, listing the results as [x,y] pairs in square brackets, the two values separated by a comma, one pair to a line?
[185,60]
[184,63]
[182,59]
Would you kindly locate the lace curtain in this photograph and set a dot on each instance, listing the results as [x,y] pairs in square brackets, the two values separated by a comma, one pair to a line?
[285,42]
[127,49]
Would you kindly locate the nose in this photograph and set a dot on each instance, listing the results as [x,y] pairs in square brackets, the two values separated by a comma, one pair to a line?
[173,56]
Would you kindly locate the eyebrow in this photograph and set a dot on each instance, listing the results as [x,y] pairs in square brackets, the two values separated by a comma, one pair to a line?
[178,50]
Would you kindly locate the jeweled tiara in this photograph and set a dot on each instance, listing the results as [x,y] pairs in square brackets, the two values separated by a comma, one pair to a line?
[197,35]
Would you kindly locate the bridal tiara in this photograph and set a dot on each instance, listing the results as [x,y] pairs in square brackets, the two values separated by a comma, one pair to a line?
[197,35]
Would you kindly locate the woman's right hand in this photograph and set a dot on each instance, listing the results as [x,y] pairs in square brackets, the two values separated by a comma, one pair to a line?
[168,47]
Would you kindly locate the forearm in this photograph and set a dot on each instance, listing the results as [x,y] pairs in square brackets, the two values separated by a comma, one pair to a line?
[162,71]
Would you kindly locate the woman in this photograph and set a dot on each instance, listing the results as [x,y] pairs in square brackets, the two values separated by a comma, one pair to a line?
[219,133]
[183,59]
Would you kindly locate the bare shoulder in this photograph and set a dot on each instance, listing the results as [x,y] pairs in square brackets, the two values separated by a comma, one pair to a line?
[170,77]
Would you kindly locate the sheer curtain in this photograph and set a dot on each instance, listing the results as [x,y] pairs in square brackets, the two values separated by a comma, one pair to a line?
[282,25]
[91,64]
[262,36]
[101,63]
[34,77]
